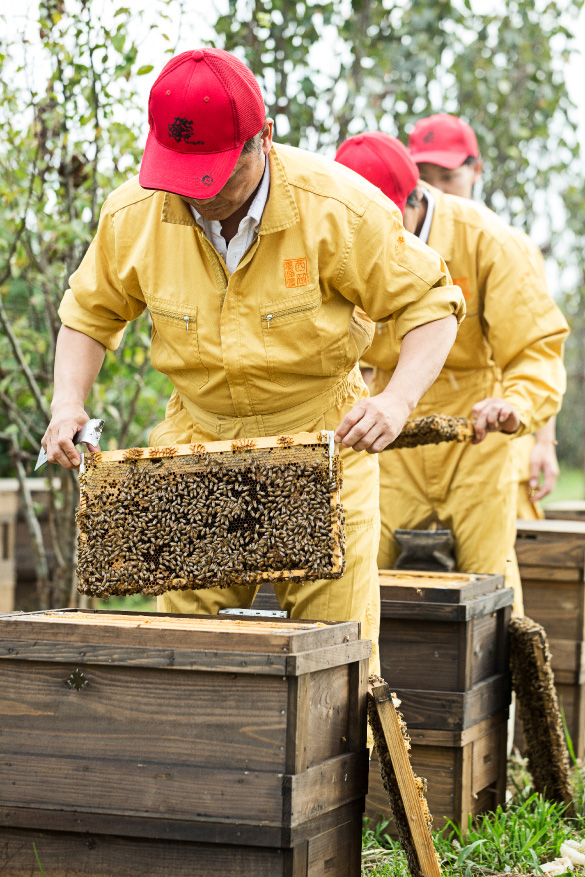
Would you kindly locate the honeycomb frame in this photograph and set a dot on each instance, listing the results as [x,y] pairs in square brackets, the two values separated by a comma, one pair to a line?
[213,514]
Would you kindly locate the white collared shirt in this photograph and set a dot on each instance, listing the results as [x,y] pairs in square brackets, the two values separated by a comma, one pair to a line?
[233,252]
[426,229]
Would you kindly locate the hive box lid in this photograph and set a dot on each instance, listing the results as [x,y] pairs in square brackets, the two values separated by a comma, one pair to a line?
[448,596]
[285,646]
[573,528]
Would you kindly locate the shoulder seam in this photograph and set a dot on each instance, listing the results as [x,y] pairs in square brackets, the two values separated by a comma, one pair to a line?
[142,197]
[334,197]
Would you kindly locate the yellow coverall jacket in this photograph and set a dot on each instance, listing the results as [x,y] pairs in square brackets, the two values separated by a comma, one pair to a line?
[509,346]
[274,346]
[524,446]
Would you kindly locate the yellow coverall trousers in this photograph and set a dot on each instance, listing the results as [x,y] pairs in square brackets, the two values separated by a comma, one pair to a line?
[469,489]
[353,597]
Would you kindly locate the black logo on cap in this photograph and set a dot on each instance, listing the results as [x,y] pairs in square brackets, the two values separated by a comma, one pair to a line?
[428,138]
[182,129]
[207,180]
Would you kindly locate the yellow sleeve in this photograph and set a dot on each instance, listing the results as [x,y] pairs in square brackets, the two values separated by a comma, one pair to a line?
[526,331]
[390,274]
[96,302]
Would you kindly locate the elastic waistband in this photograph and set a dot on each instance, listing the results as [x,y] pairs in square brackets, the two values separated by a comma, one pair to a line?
[295,419]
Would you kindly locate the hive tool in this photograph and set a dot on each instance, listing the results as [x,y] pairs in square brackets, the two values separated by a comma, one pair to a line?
[90,433]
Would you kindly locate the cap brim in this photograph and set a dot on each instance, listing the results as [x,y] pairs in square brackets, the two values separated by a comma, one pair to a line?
[449,160]
[192,175]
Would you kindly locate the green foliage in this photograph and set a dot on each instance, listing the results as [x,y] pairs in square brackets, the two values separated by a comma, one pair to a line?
[69,115]
[519,837]
[333,69]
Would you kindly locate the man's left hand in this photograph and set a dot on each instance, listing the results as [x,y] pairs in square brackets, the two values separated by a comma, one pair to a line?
[373,423]
[493,415]
[543,459]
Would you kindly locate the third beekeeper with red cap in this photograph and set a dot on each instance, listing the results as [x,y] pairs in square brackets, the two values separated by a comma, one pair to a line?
[505,370]
[446,152]
[251,258]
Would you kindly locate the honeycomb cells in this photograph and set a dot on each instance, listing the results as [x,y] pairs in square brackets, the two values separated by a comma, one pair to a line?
[209,519]
[432,430]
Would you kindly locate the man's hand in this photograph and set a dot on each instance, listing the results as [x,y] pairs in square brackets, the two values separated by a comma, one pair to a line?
[543,459]
[373,423]
[493,415]
[57,441]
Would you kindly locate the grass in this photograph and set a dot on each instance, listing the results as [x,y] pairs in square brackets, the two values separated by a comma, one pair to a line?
[134,603]
[516,838]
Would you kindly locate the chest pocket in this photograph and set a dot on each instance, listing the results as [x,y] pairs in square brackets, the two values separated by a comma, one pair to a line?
[175,345]
[293,340]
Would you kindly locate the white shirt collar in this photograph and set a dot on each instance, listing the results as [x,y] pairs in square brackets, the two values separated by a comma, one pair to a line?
[426,229]
[256,207]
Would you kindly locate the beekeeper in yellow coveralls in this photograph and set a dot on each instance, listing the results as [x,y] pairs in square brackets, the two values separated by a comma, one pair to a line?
[446,152]
[251,259]
[505,370]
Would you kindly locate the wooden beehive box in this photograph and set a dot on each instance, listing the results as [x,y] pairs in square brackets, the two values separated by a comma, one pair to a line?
[570,510]
[444,651]
[8,513]
[551,557]
[181,745]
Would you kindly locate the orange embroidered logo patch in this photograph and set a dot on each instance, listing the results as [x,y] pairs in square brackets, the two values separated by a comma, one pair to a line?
[295,272]
[463,284]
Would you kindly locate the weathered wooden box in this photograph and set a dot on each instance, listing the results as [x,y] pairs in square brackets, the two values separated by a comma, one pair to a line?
[570,510]
[175,745]
[551,558]
[465,771]
[8,512]
[444,650]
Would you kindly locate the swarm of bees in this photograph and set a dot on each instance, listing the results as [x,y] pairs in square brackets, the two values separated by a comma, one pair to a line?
[538,708]
[149,524]
[433,430]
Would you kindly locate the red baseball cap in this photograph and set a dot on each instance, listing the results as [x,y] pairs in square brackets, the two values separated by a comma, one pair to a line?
[384,161]
[202,108]
[444,140]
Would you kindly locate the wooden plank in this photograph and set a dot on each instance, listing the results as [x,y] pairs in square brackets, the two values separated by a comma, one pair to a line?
[463,790]
[321,788]
[419,832]
[545,528]
[411,652]
[328,718]
[221,447]
[82,653]
[199,633]
[333,656]
[430,587]
[429,737]
[296,864]
[334,852]
[550,574]
[454,710]
[161,828]
[551,543]
[122,712]
[297,729]
[357,718]
[568,661]
[558,608]
[142,788]
[447,611]
[435,756]
[70,854]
